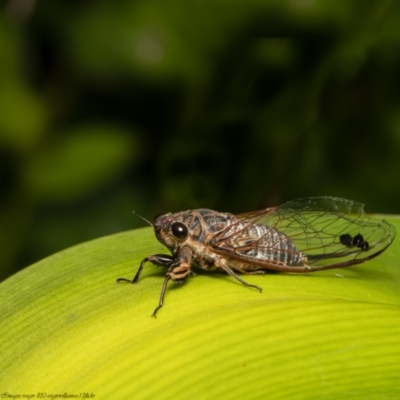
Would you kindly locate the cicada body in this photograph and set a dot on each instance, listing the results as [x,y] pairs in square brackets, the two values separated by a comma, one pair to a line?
[300,236]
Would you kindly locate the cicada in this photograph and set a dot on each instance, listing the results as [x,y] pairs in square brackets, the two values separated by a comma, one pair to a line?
[300,236]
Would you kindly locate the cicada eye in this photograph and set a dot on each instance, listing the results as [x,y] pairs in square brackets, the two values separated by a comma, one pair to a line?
[179,230]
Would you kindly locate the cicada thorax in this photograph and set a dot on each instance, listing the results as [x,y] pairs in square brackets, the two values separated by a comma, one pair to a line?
[201,225]
[204,223]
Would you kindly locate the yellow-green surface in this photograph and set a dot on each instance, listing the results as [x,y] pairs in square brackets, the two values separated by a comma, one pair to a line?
[67,328]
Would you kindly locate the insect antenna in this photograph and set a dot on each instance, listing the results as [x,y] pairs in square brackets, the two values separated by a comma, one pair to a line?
[143,218]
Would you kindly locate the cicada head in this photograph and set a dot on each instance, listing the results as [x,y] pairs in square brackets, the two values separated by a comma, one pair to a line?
[169,231]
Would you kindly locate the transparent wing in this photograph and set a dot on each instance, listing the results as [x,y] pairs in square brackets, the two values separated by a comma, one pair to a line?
[320,232]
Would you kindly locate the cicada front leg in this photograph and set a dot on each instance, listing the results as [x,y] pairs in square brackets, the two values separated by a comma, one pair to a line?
[178,271]
[161,260]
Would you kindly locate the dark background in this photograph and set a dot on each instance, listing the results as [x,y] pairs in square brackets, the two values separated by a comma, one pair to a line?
[112,106]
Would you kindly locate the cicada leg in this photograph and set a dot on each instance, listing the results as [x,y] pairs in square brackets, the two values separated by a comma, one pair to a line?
[161,260]
[221,263]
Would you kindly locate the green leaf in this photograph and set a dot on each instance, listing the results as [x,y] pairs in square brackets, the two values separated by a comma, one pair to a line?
[68,328]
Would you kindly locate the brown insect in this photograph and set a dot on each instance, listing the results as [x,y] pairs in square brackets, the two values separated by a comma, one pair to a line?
[304,235]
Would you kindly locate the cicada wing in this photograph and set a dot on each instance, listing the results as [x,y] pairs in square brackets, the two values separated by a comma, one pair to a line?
[320,232]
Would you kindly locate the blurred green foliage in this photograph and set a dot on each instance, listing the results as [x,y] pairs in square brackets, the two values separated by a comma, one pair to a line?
[113,106]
